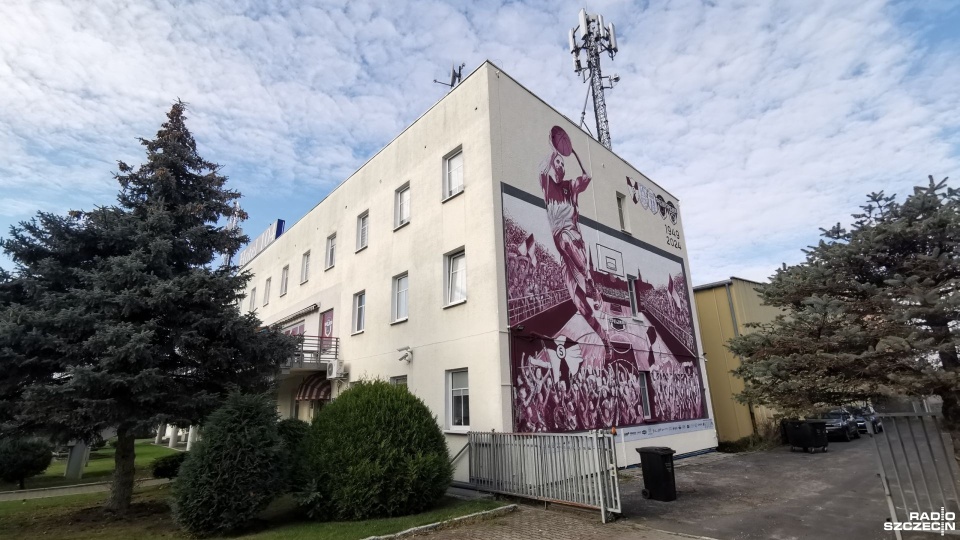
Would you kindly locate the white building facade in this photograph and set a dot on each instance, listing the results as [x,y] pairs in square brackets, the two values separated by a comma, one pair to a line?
[507,268]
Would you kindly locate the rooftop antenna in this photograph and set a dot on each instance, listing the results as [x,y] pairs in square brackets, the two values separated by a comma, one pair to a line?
[456,75]
[592,37]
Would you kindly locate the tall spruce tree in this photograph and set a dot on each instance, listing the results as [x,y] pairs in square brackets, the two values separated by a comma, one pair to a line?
[121,318]
[872,312]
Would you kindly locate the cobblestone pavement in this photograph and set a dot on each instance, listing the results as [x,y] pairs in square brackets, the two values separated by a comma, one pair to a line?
[532,523]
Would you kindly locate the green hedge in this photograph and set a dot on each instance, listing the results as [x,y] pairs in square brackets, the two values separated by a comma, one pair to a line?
[294,432]
[234,471]
[375,451]
[167,466]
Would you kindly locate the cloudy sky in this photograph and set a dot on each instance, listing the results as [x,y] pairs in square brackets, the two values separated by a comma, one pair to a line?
[767,119]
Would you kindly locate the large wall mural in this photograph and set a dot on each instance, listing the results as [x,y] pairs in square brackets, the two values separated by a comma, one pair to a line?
[603,333]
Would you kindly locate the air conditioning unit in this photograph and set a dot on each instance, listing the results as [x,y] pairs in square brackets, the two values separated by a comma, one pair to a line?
[335,370]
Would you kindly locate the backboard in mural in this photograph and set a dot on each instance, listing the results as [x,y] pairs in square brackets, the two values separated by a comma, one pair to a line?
[603,333]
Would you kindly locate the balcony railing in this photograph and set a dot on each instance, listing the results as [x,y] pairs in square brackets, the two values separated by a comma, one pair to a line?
[314,352]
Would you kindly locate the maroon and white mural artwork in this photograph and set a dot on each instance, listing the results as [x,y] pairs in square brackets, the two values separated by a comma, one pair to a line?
[602,330]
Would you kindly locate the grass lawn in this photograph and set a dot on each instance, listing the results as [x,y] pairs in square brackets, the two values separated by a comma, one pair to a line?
[99,468]
[78,517]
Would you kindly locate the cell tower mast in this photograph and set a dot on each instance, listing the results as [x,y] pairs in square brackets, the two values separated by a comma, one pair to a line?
[592,37]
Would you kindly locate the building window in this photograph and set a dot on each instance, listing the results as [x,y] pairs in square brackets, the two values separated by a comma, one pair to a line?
[644,394]
[284,279]
[632,291]
[399,307]
[331,250]
[359,311]
[266,291]
[453,174]
[305,267]
[401,212]
[455,278]
[363,223]
[459,394]
[399,381]
[253,299]
[621,211]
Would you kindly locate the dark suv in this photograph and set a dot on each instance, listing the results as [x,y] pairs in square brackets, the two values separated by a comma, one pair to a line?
[841,424]
[864,416]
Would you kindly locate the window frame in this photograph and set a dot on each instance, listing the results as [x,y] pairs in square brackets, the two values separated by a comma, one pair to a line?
[398,221]
[645,396]
[253,299]
[305,267]
[448,278]
[359,322]
[446,192]
[266,290]
[632,292]
[363,230]
[451,399]
[622,212]
[284,280]
[396,381]
[330,253]
[395,298]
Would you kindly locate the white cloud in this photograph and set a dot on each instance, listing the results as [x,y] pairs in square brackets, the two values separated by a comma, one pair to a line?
[767,120]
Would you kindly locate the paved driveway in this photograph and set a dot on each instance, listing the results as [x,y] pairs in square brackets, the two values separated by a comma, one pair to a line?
[776,494]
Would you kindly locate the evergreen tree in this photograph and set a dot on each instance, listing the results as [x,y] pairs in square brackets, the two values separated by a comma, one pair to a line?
[872,311]
[22,458]
[121,317]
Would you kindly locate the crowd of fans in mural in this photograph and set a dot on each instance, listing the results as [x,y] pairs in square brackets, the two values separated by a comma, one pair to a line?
[535,282]
[616,395]
[671,308]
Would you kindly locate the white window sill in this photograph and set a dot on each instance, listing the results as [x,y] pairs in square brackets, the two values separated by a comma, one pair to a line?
[457,303]
[282,295]
[357,333]
[465,430]
[400,226]
[359,249]
[624,231]
[304,281]
[328,268]
[448,197]
[398,321]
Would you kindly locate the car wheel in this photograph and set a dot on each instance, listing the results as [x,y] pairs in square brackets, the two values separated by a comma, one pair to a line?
[846,436]
[856,434]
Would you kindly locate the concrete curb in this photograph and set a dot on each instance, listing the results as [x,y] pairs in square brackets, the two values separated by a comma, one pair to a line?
[487,514]
[76,489]
[671,533]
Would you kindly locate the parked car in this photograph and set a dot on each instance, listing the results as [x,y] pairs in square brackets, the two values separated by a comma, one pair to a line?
[866,416]
[841,424]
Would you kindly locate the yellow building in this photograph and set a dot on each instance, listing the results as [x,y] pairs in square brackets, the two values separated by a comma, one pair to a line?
[723,309]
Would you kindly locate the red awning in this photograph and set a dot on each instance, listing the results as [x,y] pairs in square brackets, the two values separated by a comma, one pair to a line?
[314,387]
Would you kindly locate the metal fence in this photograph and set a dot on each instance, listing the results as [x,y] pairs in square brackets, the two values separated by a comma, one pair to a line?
[917,465]
[577,469]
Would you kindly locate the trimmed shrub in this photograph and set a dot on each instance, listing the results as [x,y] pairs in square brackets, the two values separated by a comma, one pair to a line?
[21,458]
[294,432]
[167,466]
[235,471]
[375,451]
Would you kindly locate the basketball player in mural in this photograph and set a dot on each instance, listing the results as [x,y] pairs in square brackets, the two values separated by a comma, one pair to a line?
[561,197]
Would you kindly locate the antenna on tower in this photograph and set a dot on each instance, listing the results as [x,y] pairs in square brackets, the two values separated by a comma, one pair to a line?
[592,37]
[456,75]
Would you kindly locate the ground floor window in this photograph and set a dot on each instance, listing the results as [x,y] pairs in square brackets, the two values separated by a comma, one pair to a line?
[458,389]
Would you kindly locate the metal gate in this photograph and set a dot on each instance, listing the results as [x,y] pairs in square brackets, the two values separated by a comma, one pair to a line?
[917,466]
[577,469]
